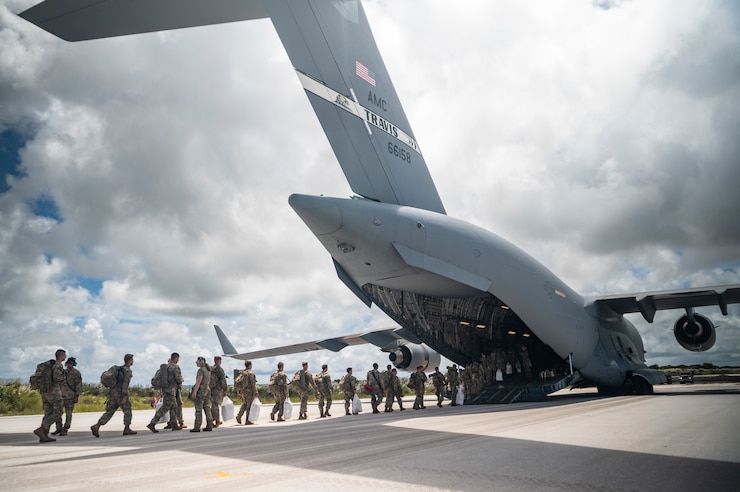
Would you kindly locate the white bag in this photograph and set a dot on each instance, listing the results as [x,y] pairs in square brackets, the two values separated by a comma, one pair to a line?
[499,375]
[254,410]
[356,405]
[166,417]
[227,409]
[288,409]
[460,397]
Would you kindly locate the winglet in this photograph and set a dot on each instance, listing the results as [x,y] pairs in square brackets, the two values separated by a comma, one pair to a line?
[226,345]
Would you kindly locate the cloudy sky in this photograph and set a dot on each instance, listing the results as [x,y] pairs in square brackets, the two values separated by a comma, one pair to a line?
[144,180]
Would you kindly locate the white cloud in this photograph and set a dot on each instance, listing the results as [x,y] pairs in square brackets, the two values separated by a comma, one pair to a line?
[601,140]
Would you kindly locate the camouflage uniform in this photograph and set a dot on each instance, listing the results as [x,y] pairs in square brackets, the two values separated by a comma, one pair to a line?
[323,382]
[246,387]
[302,380]
[52,399]
[347,385]
[118,396]
[71,389]
[279,389]
[419,378]
[219,387]
[169,397]
[452,382]
[202,398]
[396,391]
[374,380]
[439,381]
[388,393]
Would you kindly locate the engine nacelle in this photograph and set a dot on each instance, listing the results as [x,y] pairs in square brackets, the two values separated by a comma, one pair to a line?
[408,357]
[697,335]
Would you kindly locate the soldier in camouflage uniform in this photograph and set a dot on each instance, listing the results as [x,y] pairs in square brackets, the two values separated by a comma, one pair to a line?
[419,378]
[385,380]
[219,387]
[169,395]
[118,396]
[323,382]
[374,380]
[246,386]
[439,382]
[71,389]
[279,389]
[51,397]
[302,381]
[396,392]
[347,385]
[452,382]
[201,395]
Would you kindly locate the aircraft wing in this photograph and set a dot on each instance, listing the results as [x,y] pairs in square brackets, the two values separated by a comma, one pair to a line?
[647,303]
[386,339]
[79,20]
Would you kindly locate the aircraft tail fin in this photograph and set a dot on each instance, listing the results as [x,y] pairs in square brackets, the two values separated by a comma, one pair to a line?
[337,60]
[332,48]
[226,345]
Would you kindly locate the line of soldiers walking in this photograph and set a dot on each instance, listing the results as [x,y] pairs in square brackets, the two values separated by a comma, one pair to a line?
[60,389]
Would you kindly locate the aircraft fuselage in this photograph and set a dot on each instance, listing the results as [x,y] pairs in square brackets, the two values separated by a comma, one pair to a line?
[418,252]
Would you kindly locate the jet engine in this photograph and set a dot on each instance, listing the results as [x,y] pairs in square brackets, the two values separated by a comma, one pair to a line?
[408,357]
[695,332]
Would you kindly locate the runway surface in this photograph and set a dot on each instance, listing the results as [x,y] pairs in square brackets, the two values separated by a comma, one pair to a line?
[683,438]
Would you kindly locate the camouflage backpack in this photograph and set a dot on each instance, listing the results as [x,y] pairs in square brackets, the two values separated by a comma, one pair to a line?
[110,377]
[240,382]
[41,380]
[159,380]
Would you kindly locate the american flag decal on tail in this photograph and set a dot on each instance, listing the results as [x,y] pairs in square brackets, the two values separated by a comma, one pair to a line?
[364,73]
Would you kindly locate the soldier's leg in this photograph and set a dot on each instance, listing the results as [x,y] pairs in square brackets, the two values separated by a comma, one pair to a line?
[57,406]
[216,411]
[248,399]
[48,412]
[110,408]
[328,405]
[304,405]
[347,402]
[280,403]
[198,414]
[321,404]
[69,406]
[210,421]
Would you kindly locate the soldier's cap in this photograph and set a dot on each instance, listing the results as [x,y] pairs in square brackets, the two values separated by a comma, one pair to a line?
[71,360]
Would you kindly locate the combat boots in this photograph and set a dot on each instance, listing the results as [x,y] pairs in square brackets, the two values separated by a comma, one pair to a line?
[127,431]
[239,419]
[43,436]
[95,428]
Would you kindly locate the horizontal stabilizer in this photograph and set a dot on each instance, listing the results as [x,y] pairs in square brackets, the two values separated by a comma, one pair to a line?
[79,20]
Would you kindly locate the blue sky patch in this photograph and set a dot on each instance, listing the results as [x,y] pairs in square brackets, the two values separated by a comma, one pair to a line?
[11,143]
[45,206]
[93,285]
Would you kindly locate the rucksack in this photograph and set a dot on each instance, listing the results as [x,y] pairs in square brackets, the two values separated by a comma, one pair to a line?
[110,377]
[241,380]
[41,380]
[159,380]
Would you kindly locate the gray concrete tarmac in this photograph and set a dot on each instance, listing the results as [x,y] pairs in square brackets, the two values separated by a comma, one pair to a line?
[683,438]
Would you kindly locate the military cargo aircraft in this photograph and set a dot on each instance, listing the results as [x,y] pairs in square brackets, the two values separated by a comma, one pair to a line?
[451,285]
